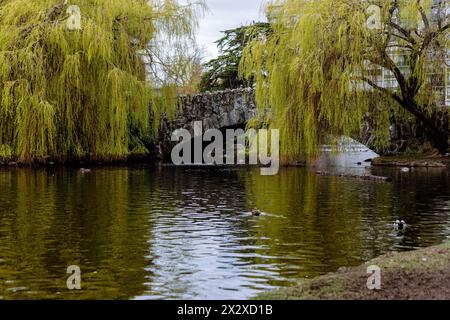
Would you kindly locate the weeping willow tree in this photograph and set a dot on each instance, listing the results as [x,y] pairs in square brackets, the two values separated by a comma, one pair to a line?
[80,92]
[324,70]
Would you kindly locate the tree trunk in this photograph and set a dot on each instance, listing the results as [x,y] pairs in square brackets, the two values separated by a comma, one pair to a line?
[437,125]
[440,120]
[441,143]
[437,135]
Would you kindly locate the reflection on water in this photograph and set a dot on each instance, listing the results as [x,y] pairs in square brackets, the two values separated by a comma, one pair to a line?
[152,233]
[353,158]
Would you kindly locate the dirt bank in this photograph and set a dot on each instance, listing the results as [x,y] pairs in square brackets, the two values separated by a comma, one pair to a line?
[421,274]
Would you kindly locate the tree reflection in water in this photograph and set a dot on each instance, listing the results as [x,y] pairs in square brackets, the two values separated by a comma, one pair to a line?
[147,233]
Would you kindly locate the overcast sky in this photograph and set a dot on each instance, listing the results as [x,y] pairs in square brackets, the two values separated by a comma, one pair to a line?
[223,15]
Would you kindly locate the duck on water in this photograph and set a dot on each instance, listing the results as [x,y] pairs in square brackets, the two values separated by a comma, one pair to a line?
[400,225]
[256,212]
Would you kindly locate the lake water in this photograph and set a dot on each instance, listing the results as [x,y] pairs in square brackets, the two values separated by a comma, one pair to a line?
[186,233]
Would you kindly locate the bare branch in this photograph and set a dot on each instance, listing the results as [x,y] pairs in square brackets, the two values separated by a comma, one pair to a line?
[403,31]
[386,91]
[424,16]
[444,28]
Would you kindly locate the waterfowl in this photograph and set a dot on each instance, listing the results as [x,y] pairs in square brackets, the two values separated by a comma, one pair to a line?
[83,170]
[256,212]
[406,169]
[400,225]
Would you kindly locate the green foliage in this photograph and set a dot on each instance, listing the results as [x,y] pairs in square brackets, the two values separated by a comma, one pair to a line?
[318,69]
[72,94]
[223,72]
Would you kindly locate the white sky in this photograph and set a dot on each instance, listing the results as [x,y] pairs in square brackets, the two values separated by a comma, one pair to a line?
[223,15]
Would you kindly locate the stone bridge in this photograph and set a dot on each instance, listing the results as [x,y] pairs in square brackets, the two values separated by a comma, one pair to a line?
[217,110]
[234,108]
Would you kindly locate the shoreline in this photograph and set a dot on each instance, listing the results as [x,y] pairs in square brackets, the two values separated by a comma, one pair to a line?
[414,275]
[130,161]
[413,161]
[409,161]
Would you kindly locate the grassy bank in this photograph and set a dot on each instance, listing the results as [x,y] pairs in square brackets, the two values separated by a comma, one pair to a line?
[421,274]
[413,161]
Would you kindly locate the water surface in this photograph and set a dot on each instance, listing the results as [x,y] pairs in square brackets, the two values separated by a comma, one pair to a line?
[186,233]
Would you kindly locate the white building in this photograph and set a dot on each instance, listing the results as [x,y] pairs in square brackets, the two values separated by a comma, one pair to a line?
[386,78]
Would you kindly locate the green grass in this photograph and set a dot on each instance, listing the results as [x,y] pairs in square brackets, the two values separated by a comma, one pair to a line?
[416,274]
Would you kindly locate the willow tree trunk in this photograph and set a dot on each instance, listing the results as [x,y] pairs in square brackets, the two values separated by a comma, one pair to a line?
[436,126]
[441,134]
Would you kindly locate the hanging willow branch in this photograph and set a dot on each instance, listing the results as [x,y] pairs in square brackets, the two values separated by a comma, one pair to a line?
[72,94]
[320,69]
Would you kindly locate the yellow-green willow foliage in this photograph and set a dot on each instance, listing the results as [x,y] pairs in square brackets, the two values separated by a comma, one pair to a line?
[71,94]
[312,71]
